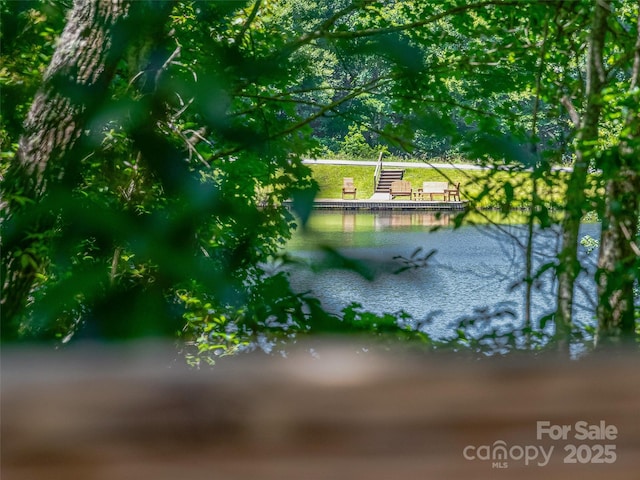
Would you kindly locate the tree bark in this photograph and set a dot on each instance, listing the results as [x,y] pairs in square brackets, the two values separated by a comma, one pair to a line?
[619,251]
[75,85]
[569,265]
[617,258]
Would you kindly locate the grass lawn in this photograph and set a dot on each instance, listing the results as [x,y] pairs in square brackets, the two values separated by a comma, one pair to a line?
[472,183]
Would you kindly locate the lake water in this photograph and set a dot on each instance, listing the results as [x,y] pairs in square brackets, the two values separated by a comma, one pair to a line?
[474,272]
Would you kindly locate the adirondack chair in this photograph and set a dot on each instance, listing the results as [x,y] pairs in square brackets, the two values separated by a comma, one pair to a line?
[453,193]
[348,188]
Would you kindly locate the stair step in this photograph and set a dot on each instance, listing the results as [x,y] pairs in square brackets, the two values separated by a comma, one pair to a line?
[386,178]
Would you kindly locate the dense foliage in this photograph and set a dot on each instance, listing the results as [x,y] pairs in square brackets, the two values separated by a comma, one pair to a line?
[160,218]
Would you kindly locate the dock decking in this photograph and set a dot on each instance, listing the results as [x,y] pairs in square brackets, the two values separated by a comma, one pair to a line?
[375,204]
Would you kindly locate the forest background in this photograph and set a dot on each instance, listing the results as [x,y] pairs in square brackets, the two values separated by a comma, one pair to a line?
[148,147]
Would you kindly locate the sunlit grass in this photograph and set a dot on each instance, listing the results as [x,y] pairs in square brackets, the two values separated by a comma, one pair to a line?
[472,183]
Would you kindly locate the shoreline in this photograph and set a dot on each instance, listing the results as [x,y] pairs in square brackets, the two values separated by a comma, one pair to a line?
[375,205]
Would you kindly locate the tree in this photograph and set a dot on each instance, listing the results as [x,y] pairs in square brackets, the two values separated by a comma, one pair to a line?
[587,127]
[170,149]
[94,40]
[166,196]
[619,254]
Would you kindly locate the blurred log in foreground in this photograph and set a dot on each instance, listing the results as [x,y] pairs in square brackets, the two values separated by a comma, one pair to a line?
[137,413]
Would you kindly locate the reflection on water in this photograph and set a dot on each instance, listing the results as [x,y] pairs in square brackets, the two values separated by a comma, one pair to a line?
[352,221]
[349,222]
[408,219]
[354,229]
[475,271]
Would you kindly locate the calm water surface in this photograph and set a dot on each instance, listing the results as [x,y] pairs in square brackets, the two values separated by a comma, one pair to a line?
[474,272]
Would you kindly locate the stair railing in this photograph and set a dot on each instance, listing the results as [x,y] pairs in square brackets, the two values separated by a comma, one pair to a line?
[376,174]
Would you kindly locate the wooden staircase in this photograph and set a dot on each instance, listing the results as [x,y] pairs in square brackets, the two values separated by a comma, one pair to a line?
[386,177]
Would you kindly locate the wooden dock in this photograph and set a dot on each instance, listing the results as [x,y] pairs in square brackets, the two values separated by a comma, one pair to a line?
[375,204]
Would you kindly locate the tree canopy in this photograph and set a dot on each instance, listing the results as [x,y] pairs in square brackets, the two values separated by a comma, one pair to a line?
[148,149]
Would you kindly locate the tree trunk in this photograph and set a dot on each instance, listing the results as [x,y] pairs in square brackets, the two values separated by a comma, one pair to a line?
[74,87]
[618,257]
[569,265]
[618,245]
